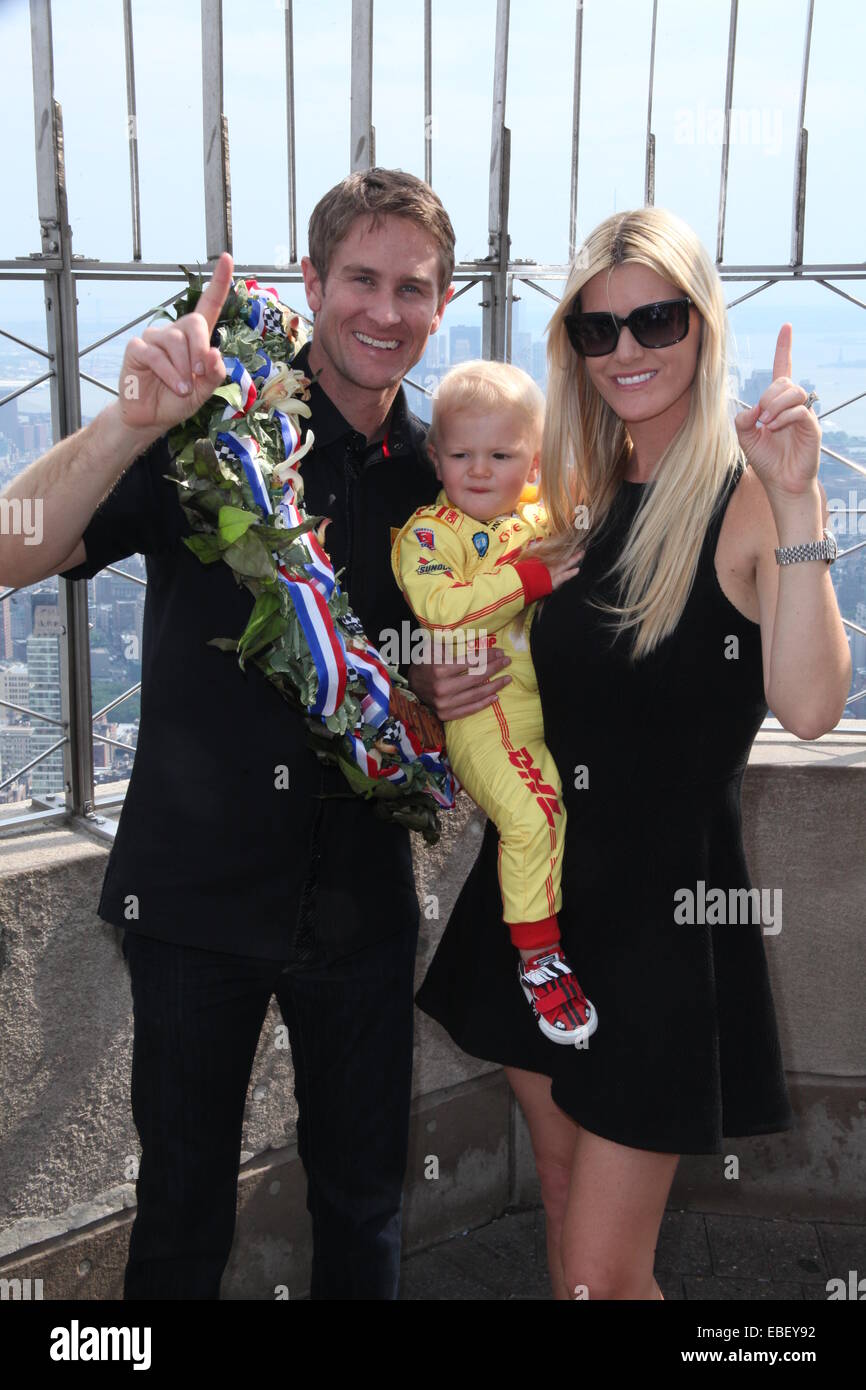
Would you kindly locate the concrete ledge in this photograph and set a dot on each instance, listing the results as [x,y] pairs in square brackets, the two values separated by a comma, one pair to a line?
[68,1148]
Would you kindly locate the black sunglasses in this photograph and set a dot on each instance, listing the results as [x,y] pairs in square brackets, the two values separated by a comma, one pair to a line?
[652,325]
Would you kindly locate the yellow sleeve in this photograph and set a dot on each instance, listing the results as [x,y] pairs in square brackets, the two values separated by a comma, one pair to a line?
[431,576]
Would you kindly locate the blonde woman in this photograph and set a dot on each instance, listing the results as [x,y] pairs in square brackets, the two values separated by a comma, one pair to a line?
[703,597]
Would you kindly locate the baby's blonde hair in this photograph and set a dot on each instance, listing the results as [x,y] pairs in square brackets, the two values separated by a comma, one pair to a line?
[482,385]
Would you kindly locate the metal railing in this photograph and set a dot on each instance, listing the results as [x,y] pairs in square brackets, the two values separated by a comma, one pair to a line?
[497,274]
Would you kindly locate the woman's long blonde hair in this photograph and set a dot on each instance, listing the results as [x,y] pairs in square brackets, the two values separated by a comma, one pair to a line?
[586,445]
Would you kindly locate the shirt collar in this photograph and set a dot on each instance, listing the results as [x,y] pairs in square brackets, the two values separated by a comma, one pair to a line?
[405,433]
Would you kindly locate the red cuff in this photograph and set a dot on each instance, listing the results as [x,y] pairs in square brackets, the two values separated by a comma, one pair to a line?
[535,578]
[532,936]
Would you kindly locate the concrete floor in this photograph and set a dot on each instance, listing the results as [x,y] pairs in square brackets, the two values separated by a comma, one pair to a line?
[698,1257]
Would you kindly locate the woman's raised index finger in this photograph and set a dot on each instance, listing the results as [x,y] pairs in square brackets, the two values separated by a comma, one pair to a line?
[782,364]
[213,296]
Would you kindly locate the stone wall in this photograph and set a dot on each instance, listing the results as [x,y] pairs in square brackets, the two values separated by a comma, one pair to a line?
[68,1148]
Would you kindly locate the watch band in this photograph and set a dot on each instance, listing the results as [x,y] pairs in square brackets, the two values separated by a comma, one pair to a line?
[809,550]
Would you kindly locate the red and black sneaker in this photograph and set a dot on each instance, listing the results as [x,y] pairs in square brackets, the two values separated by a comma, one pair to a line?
[563,1012]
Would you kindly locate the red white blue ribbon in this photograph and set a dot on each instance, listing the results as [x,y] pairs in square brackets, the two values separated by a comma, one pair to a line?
[238,373]
[324,642]
[338,655]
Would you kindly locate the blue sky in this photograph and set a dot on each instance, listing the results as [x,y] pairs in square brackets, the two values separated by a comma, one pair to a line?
[689,94]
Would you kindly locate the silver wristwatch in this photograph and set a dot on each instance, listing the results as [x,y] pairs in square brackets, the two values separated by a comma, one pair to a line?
[827,549]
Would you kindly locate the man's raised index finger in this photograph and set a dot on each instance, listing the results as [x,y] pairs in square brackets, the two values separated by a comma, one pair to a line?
[782,364]
[213,296]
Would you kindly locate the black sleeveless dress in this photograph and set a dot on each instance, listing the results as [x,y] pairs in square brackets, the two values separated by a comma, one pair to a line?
[687,1048]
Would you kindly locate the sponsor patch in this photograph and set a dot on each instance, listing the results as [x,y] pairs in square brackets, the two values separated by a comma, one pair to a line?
[481,541]
[450,516]
[434,567]
[426,539]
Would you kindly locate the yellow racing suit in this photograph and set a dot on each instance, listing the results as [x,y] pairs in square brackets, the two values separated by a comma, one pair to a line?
[470,584]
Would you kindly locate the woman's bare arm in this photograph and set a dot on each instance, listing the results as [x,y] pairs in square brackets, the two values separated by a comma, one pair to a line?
[807,664]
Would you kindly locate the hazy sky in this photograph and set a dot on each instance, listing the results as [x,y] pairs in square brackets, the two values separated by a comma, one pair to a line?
[689,96]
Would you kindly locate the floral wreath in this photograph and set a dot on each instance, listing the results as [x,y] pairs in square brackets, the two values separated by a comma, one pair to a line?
[236,462]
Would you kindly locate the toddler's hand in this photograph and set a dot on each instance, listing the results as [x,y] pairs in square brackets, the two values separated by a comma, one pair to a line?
[563,570]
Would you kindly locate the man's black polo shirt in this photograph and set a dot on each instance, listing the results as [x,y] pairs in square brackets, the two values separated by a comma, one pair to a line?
[210,851]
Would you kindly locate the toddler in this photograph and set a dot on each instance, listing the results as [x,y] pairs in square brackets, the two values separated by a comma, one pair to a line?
[464,567]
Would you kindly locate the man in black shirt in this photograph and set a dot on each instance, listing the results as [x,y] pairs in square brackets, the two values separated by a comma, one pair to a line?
[232,886]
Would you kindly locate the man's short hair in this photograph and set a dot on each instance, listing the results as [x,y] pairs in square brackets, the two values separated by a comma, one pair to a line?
[379,193]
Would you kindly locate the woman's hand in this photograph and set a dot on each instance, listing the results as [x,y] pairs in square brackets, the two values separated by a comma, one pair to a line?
[780,436]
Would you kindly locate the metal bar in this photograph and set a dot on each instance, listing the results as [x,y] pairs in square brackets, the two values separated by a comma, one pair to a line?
[127,747]
[575,129]
[500,81]
[495,311]
[27,766]
[42,60]
[827,286]
[28,818]
[117,701]
[850,401]
[132,322]
[119,272]
[743,297]
[540,288]
[22,709]
[133,578]
[217,181]
[841,556]
[650,176]
[428,91]
[99,827]
[850,701]
[729,96]
[290,132]
[361,154]
[132,118]
[458,293]
[7,593]
[37,381]
[22,342]
[418,387]
[94,381]
[798,216]
[62,342]
[840,458]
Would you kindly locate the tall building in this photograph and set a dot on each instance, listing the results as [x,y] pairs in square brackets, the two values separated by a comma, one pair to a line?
[538,371]
[521,350]
[15,687]
[6,650]
[43,668]
[9,421]
[464,343]
[16,750]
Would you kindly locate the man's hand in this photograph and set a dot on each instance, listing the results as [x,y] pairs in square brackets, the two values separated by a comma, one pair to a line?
[168,373]
[453,689]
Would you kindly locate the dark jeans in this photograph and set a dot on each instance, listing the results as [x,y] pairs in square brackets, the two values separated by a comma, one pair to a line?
[198,1015]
